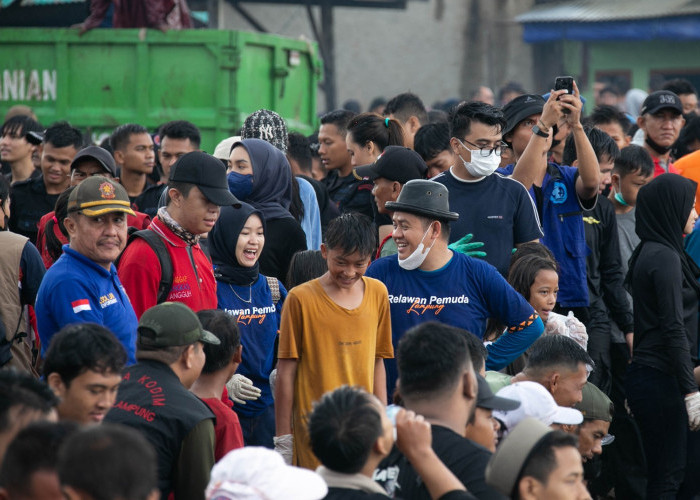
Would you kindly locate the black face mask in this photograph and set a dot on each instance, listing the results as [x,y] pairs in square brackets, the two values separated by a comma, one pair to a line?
[662,150]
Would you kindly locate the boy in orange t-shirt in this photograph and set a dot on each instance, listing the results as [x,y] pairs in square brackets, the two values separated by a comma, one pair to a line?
[335,330]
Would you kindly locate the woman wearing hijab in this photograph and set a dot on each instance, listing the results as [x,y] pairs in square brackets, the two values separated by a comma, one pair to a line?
[259,174]
[236,243]
[661,389]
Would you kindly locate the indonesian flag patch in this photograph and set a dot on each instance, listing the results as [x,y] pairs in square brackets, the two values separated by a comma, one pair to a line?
[81,305]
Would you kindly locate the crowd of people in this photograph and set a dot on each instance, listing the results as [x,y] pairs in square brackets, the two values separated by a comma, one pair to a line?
[408,303]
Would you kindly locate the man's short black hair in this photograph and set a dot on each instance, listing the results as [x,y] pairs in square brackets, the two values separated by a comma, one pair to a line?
[109,462]
[689,134]
[80,347]
[20,126]
[34,449]
[300,150]
[62,135]
[550,351]
[606,114]
[351,232]
[431,357]
[181,129]
[343,427]
[22,391]
[122,135]
[542,459]
[680,86]
[224,327]
[431,140]
[340,118]
[462,116]
[603,145]
[406,105]
[634,159]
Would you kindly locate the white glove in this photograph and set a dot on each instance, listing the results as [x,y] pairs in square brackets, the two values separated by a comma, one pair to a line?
[273,382]
[577,330]
[284,445]
[692,405]
[241,389]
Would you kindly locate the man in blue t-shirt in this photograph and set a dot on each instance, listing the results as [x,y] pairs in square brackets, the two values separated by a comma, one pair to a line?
[430,282]
[561,193]
[83,286]
[495,209]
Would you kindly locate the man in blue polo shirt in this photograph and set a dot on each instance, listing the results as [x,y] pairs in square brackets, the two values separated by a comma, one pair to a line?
[430,282]
[83,286]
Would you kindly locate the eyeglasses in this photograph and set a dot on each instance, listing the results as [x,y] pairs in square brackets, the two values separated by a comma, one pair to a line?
[486,151]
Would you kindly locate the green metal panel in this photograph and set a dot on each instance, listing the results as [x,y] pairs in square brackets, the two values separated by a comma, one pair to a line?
[214,78]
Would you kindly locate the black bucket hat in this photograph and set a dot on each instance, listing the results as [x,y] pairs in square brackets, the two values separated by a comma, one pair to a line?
[425,198]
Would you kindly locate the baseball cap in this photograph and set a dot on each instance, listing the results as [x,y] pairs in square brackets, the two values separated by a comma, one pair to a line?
[535,402]
[487,399]
[172,324]
[396,163]
[268,126]
[100,155]
[257,473]
[207,173]
[595,405]
[505,465]
[99,195]
[661,99]
[520,108]
[223,149]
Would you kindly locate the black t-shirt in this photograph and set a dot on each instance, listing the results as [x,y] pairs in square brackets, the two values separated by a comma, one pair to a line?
[29,202]
[466,459]
[350,194]
[283,238]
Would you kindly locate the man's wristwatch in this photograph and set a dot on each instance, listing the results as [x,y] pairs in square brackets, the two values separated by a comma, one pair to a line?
[538,131]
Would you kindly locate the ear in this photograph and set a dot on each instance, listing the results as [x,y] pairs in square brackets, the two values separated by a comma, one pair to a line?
[119,156]
[238,355]
[469,384]
[553,382]
[396,188]
[641,123]
[70,226]
[55,382]
[615,180]
[187,357]
[382,446]
[324,251]
[574,163]
[454,145]
[413,124]
[529,488]
[175,196]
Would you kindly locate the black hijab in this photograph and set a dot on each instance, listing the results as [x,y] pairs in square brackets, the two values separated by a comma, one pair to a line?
[663,208]
[223,239]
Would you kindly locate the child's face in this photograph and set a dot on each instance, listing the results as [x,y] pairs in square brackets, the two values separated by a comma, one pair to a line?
[345,270]
[543,292]
[629,185]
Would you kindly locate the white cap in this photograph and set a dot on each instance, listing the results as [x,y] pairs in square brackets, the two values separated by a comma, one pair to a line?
[256,473]
[223,149]
[535,402]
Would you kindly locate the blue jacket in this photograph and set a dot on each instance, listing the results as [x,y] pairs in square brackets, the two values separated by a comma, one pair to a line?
[77,290]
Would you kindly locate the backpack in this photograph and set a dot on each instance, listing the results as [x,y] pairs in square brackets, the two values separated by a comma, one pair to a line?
[166,266]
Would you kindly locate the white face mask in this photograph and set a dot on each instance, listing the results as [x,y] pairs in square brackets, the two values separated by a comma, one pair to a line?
[480,166]
[416,258]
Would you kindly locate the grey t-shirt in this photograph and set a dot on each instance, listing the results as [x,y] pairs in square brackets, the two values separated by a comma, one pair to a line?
[628,242]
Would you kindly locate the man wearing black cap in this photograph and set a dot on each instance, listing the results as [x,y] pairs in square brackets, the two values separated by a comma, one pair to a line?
[560,192]
[197,187]
[34,197]
[428,281]
[661,119]
[394,168]
[154,398]
[83,286]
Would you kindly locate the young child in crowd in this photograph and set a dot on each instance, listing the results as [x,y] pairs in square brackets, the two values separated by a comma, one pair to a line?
[335,330]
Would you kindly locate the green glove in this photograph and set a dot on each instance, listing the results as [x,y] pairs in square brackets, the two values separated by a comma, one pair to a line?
[468,247]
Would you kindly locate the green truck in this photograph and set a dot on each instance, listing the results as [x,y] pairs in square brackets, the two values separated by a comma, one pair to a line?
[107,77]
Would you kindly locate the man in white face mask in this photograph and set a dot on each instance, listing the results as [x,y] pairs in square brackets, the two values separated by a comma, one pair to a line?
[427,281]
[494,209]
